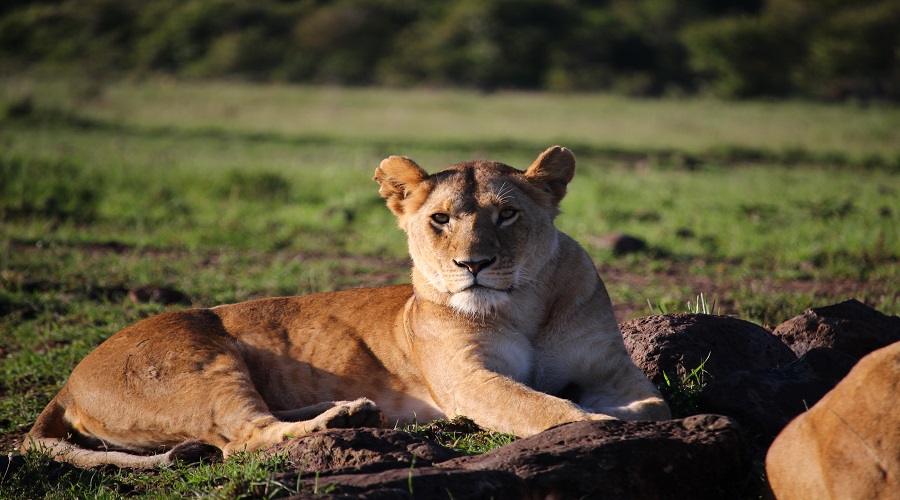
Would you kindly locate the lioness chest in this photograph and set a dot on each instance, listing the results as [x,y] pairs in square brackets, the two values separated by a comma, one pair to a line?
[526,359]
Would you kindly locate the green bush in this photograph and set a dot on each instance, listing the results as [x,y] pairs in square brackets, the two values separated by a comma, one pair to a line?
[824,49]
[855,53]
[745,48]
[182,36]
[95,33]
[744,56]
[482,44]
[344,42]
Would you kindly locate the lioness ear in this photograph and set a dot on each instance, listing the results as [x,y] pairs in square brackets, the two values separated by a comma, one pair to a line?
[552,171]
[399,177]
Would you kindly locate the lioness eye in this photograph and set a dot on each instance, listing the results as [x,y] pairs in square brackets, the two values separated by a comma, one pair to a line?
[506,214]
[440,218]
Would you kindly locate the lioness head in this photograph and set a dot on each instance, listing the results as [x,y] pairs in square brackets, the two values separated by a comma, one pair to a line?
[478,231]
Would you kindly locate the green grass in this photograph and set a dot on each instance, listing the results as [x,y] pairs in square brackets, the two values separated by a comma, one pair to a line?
[243,476]
[682,390]
[460,433]
[410,116]
[229,192]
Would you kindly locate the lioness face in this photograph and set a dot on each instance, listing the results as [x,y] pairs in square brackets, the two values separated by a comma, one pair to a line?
[478,231]
[480,235]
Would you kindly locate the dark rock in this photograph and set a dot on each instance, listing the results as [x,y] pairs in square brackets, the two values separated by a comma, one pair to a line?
[846,445]
[849,326]
[9,464]
[675,343]
[362,450]
[698,457]
[766,400]
[408,483]
[158,295]
[701,456]
[195,452]
[620,243]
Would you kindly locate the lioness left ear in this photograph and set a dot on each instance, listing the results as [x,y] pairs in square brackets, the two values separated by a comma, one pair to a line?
[552,171]
[399,177]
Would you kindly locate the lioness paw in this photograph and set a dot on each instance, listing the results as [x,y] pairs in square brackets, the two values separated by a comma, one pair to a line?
[600,416]
[349,414]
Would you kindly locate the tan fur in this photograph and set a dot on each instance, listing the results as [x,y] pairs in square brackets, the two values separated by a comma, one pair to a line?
[848,444]
[504,311]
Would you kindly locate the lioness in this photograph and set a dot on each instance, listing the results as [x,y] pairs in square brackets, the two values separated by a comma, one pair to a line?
[506,322]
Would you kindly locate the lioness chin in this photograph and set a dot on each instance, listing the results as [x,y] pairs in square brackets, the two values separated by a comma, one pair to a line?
[506,322]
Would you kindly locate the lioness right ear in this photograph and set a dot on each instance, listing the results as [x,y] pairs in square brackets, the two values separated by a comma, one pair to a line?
[399,177]
[552,171]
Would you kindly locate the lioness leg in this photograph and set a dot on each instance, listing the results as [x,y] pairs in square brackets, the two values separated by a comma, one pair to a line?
[369,416]
[248,428]
[167,380]
[631,396]
[340,414]
[233,418]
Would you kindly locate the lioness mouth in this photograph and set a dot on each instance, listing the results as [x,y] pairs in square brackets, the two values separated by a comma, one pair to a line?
[479,286]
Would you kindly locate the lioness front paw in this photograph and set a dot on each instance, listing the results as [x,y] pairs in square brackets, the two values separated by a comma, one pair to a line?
[600,416]
[350,414]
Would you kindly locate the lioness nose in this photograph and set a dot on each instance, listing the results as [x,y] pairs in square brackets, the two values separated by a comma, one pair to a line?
[475,266]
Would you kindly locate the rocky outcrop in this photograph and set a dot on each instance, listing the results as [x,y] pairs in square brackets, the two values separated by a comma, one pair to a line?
[766,400]
[675,343]
[620,243]
[362,450]
[700,457]
[850,326]
[414,482]
[846,446]
[385,463]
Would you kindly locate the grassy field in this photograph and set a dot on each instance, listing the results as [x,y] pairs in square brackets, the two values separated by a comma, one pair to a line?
[228,192]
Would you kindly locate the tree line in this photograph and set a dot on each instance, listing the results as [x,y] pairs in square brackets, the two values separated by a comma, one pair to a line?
[825,49]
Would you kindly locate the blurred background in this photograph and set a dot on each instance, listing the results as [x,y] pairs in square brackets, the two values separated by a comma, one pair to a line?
[823,49]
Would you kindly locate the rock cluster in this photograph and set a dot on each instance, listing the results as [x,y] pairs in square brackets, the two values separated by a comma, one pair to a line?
[851,327]
[700,456]
[753,375]
[770,391]
[675,343]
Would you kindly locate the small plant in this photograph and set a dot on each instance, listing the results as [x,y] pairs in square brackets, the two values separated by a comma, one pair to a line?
[683,393]
[659,309]
[701,306]
[462,434]
[409,479]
